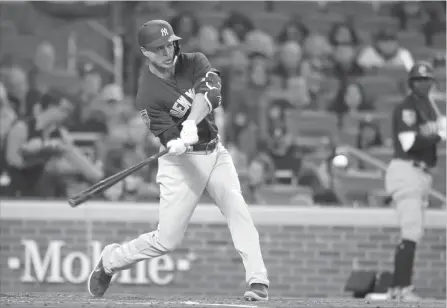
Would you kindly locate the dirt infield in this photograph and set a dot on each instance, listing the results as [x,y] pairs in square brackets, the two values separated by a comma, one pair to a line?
[67,300]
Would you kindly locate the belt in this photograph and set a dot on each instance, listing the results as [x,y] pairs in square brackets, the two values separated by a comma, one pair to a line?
[208,147]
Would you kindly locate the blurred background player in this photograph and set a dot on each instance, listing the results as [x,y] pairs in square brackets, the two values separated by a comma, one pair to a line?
[417,130]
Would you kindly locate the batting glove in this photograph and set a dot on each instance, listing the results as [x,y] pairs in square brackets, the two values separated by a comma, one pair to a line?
[176,147]
[189,132]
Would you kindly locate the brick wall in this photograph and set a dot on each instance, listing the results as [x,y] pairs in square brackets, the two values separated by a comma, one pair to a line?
[308,257]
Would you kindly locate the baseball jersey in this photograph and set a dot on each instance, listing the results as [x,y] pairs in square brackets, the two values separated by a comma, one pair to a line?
[165,103]
[417,115]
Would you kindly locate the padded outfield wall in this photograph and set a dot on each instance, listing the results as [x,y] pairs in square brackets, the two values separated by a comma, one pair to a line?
[309,251]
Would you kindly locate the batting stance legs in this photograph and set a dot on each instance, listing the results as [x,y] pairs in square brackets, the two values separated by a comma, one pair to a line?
[409,186]
[182,181]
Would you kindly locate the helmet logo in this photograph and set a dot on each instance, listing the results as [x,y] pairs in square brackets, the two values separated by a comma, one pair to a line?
[422,70]
[164,32]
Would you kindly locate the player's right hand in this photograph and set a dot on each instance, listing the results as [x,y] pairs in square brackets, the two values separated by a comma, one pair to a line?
[176,147]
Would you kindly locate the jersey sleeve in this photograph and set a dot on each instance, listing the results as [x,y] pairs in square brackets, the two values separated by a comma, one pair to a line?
[201,67]
[207,81]
[204,73]
[406,120]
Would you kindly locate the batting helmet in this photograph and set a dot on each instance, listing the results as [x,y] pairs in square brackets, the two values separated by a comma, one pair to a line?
[155,33]
[421,70]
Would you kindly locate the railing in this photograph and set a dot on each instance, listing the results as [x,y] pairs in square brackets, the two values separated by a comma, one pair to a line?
[115,68]
[359,154]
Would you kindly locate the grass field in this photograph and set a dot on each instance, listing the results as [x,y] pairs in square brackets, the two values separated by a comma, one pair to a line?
[62,300]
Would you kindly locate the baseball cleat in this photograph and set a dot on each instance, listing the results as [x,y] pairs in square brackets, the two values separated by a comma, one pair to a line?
[257,292]
[98,281]
[407,294]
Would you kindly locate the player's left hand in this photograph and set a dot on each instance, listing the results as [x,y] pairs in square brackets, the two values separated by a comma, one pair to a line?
[189,132]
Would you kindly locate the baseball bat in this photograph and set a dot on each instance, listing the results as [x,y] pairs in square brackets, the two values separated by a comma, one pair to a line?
[435,106]
[106,183]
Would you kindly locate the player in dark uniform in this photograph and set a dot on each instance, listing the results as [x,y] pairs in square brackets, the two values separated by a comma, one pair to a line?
[416,133]
[177,95]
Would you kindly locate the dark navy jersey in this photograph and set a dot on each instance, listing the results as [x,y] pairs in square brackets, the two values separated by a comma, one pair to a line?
[415,114]
[166,103]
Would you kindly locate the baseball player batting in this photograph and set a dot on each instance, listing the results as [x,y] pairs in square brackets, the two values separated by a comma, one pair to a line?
[177,95]
[417,129]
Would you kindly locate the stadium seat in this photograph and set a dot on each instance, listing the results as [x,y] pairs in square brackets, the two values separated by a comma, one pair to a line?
[379,85]
[22,46]
[312,123]
[425,53]
[212,18]
[271,23]
[357,8]
[356,186]
[302,8]
[241,6]
[7,28]
[195,6]
[439,41]
[278,194]
[396,73]
[387,102]
[411,39]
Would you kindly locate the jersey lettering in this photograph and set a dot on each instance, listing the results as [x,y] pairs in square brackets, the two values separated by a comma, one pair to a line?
[182,104]
[145,116]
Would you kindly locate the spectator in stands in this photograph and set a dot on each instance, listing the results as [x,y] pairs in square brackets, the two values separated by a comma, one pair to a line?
[239,158]
[405,11]
[186,25]
[315,65]
[286,76]
[22,100]
[33,142]
[44,61]
[434,12]
[112,107]
[7,114]
[208,41]
[294,30]
[385,52]
[128,145]
[7,120]
[238,67]
[439,91]
[279,144]
[260,172]
[258,70]
[369,135]
[351,99]
[87,117]
[316,53]
[343,33]
[344,41]
[6,63]
[234,29]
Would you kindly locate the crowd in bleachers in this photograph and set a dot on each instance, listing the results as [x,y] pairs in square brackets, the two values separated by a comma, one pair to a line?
[294,88]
